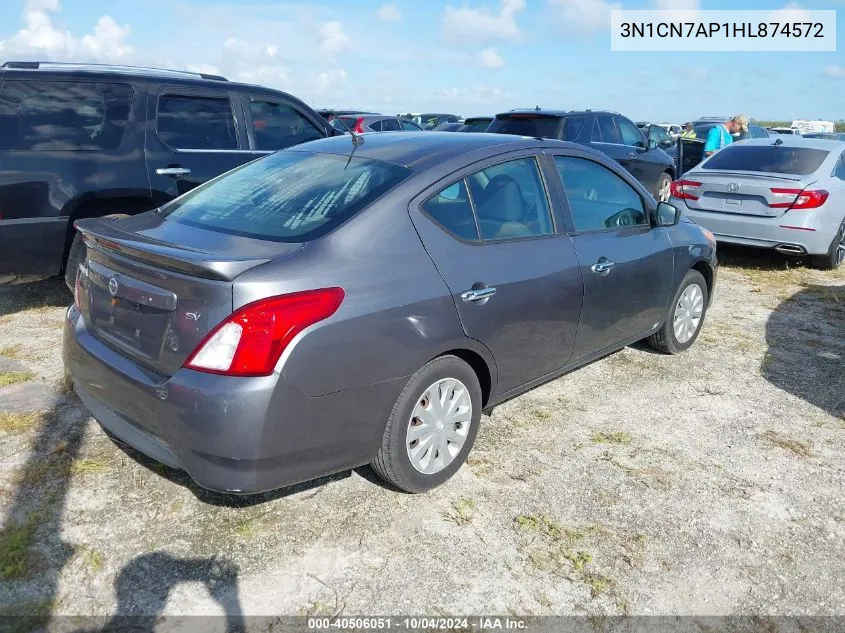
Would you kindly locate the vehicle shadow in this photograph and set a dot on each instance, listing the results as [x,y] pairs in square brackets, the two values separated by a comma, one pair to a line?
[806,347]
[181,478]
[49,293]
[33,553]
[736,256]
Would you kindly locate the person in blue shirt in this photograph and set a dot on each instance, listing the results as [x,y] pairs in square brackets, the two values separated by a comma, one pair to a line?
[722,135]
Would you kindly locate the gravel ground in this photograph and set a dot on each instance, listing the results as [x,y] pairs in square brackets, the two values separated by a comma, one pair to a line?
[708,483]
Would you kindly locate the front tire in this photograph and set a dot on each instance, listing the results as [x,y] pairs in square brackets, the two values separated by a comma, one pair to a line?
[664,188]
[684,316]
[432,427]
[835,255]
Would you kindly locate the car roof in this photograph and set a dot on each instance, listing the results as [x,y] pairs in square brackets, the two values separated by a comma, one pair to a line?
[553,113]
[110,71]
[798,141]
[414,149]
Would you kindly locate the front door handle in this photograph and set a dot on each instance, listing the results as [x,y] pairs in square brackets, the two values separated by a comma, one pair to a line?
[175,172]
[602,267]
[478,294]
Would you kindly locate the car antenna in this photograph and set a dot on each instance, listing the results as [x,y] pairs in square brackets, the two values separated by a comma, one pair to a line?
[357,139]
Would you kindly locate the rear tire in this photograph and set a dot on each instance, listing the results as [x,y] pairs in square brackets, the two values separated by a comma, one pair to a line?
[76,253]
[680,325]
[459,387]
[835,255]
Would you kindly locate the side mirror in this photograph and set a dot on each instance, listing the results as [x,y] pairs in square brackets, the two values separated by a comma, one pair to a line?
[652,144]
[667,142]
[666,215]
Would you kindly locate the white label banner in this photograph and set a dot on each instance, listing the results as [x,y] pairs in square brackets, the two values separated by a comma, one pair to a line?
[741,31]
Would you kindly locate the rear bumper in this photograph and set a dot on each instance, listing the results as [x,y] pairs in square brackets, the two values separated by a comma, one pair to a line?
[233,435]
[801,229]
[32,248]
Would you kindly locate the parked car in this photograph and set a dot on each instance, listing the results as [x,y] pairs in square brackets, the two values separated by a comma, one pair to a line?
[448,127]
[673,129]
[786,194]
[609,132]
[833,136]
[476,124]
[331,115]
[693,148]
[784,130]
[79,141]
[288,320]
[362,124]
[429,121]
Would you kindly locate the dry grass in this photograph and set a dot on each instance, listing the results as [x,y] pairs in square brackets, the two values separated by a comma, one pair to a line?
[462,512]
[798,448]
[611,437]
[87,466]
[14,352]
[14,377]
[16,545]
[18,422]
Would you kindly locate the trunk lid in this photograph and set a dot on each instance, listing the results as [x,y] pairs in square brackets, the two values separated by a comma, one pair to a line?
[743,193]
[152,289]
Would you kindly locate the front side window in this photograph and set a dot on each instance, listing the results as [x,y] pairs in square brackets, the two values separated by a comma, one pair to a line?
[63,116]
[510,200]
[390,125]
[410,127]
[194,122]
[290,196]
[278,125]
[629,132]
[598,198]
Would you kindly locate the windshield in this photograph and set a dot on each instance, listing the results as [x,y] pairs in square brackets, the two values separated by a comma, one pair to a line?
[526,125]
[290,196]
[773,159]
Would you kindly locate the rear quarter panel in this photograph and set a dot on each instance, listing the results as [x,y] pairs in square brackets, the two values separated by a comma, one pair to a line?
[397,313]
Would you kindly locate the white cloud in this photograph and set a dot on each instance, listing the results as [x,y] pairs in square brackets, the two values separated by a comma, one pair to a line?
[329,79]
[792,12]
[585,16]
[490,58]
[836,72]
[334,40]
[389,13]
[40,38]
[482,25]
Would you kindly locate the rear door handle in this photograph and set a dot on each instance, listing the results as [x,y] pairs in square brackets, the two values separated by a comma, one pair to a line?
[175,172]
[602,267]
[478,295]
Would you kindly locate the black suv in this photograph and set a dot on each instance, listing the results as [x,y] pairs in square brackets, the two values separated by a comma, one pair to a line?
[81,141]
[609,132]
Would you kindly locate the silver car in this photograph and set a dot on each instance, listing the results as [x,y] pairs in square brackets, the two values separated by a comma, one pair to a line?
[786,193]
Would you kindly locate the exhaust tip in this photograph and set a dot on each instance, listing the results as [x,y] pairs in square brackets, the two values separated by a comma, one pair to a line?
[790,249]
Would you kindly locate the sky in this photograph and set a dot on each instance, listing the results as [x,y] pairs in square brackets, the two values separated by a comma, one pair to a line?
[468,57]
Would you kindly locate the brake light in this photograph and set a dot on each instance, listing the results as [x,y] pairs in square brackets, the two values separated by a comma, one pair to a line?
[798,198]
[81,271]
[685,189]
[359,126]
[251,340]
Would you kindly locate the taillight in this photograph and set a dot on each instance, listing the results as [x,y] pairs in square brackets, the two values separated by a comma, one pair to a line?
[359,126]
[685,189]
[81,271]
[251,340]
[798,198]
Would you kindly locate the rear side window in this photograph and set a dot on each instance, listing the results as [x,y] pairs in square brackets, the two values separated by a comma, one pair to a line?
[452,210]
[527,125]
[573,127]
[375,126]
[409,127]
[60,115]
[194,122]
[607,129]
[390,125]
[290,196]
[799,161]
[278,125]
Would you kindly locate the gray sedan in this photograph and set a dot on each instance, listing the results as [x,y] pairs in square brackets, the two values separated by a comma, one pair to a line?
[354,301]
[786,193]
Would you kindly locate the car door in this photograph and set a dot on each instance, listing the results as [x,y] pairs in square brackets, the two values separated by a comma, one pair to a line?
[626,264]
[514,279]
[197,134]
[638,159]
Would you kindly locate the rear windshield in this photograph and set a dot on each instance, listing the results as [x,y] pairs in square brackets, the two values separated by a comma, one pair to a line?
[535,126]
[800,161]
[479,125]
[290,196]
